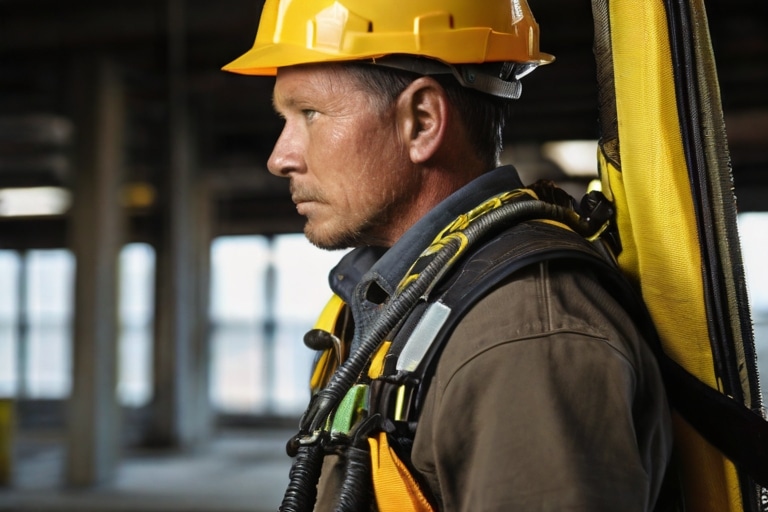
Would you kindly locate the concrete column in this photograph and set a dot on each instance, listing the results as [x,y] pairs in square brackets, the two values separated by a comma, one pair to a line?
[96,230]
[202,219]
[180,412]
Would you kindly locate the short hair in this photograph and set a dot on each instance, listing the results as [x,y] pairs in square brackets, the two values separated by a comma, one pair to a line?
[483,115]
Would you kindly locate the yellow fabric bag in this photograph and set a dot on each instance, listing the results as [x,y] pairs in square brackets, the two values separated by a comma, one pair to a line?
[650,168]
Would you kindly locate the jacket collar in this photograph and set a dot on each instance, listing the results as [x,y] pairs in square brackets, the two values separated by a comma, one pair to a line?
[370,274]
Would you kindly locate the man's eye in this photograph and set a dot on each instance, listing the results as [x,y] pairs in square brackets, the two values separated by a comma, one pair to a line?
[309,113]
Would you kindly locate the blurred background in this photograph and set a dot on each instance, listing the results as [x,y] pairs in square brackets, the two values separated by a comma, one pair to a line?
[154,282]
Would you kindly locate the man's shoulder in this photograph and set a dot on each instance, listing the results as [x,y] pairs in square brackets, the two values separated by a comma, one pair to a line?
[546,297]
[515,247]
[549,298]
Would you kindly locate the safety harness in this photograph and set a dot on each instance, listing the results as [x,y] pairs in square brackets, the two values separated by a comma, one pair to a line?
[365,407]
[374,407]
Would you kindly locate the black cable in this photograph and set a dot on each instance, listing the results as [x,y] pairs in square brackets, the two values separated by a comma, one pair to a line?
[301,493]
[356,490]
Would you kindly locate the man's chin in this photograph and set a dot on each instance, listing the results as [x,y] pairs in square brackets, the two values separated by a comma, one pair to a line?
[328,240]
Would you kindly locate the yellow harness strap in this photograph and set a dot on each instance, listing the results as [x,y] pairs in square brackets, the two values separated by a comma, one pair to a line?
[395,488]
[327,361]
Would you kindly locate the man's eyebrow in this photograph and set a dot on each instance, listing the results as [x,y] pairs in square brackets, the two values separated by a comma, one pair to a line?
[274,103]
[280,103]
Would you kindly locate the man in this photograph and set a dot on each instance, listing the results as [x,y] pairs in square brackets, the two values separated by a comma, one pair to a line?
[543,395]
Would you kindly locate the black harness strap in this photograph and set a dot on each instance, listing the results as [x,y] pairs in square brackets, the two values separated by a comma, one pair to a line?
[738,432]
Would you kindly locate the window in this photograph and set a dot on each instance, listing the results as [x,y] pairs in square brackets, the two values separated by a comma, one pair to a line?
[9,322]
[301,293]
[238,270]
[136,317]
[753,230]
[36,313]
[50,296]
[265,294]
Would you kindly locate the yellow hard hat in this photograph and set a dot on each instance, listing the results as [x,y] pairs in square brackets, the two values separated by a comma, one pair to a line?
[455,32]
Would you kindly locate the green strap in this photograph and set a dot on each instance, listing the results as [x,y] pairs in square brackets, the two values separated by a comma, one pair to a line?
[351,409]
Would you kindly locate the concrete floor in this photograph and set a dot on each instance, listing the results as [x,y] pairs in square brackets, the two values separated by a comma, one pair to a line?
[241,470]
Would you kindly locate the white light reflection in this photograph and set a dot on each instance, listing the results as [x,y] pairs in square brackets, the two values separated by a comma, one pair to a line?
[35,201]
[574,157]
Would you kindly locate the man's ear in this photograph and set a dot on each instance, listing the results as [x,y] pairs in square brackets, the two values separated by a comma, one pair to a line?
[422,116]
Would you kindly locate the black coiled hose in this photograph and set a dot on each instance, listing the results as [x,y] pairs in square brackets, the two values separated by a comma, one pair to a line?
[325,401]
[301,492]
[356,491]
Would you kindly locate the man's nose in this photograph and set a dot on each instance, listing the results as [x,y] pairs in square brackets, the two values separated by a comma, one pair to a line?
[286,156]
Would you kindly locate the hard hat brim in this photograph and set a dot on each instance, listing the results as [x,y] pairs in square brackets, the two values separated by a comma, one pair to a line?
[265,60]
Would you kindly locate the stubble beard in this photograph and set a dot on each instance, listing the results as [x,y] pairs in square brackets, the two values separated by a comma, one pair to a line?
[355,231]
[358,235]
[368,229]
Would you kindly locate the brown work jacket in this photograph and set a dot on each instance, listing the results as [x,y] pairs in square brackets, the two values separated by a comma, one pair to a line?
[545,398]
